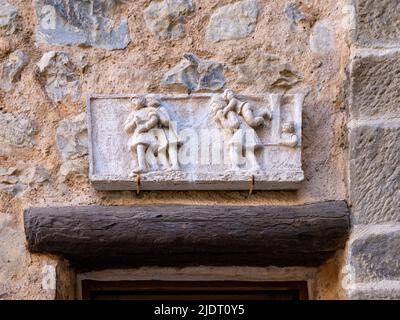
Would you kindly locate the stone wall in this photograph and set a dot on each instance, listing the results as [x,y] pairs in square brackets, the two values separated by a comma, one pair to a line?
[374,147]
[53,56]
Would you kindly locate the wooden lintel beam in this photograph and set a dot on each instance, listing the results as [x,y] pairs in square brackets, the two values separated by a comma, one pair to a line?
[95,237]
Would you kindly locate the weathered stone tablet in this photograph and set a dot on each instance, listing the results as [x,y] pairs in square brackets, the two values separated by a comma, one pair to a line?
[203,141]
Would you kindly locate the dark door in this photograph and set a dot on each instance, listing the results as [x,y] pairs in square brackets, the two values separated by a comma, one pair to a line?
[193,290]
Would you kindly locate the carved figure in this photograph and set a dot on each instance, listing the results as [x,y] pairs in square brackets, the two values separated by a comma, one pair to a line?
[288,136]
[244,109]
[168,149]
[230,121]
[239,119]
[148,124]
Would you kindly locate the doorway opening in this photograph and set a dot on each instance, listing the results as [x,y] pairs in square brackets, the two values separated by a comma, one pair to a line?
[194,290]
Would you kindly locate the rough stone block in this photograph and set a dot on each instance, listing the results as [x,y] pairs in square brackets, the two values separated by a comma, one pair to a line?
[375,172]
[8,17]
[375,86]
[11,69]
[263,71]
[196,74]
[378,21]
[13,253]
[72,22]
[36,174]
[322,38]
[166,19]
[59,73]
[16,133]
[233,21]
[71,137]
[294,13]
[375,254]
[374,293]
[9,180]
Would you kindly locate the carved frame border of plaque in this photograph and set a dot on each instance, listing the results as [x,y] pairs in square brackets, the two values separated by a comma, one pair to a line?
[112,164]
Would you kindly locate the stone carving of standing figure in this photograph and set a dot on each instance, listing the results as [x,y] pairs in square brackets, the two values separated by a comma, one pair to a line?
[168,137]
[147,125]
[238,117]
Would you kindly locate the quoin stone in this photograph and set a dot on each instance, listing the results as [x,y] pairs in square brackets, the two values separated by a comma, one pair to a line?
[374,85]
[374,172]
[8,17]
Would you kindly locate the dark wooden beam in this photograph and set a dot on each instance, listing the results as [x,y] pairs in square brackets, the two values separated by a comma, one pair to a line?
[175,235]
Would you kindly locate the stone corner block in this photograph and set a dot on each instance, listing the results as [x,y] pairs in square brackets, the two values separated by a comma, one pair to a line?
[374,183]
[374,85]
[377,22]
[374,256]
[374,294]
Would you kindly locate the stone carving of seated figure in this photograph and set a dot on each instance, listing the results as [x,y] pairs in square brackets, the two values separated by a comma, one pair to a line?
[288,136]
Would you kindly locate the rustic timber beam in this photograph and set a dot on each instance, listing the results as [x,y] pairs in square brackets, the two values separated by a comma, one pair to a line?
[95,237]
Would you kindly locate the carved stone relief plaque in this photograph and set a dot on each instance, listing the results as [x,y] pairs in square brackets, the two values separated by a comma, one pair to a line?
[218,141]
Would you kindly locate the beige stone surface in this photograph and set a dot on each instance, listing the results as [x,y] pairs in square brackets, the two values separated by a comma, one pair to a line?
[328,281]
[141,67]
